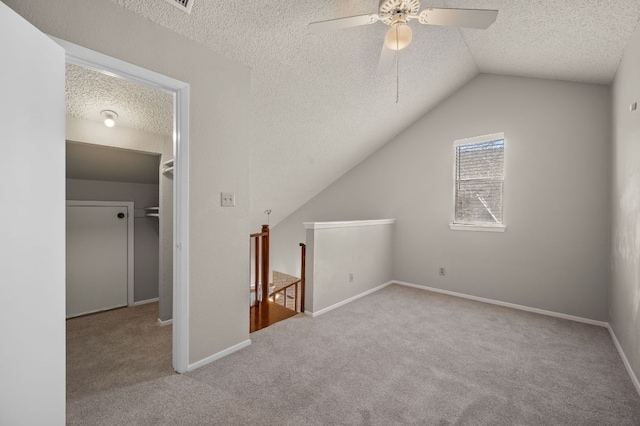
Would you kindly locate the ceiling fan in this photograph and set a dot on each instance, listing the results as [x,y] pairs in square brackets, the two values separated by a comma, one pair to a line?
[397,14]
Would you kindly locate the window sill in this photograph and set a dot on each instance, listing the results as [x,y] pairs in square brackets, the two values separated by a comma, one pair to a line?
[481,228]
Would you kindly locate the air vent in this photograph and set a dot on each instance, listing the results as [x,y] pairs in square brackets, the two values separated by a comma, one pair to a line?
[184,5]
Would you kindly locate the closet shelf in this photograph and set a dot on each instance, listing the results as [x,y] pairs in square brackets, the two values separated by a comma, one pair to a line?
[152,211]
[167,167]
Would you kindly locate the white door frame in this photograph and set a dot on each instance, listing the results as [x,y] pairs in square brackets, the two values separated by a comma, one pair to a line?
[180,90]
[130,232]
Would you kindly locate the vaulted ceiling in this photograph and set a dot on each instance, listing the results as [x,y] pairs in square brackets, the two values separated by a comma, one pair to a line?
[318,106]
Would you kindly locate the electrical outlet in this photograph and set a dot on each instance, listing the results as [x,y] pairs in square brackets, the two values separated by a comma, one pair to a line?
[227,199]
[443,272]
[350,277]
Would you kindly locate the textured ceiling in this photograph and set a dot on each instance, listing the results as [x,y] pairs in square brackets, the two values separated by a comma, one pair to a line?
[93,162]
[138,107]
[318,106]
[575,40]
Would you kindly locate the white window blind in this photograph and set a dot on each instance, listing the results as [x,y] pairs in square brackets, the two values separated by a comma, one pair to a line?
[479,178]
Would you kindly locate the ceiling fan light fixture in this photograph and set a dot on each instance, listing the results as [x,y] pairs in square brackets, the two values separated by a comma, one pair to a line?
[398,37]
[109,117]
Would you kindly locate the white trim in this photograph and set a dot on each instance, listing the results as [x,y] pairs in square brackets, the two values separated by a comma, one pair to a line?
[114,67]
[130,240]
[475,139]
[463,296]
[97,311]
[344,302]
[145,302]
[219,355]
[181,230]
[505,304]
[627,365]
[163,323]
[348,224]
[485,228]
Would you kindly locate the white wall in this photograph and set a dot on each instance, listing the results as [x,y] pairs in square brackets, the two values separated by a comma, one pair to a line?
[32,253]
[146,241]
[624,303]
[554,253]
[336,250]
[218,158]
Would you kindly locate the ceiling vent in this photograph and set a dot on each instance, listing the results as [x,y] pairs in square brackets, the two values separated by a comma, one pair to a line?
[184,5]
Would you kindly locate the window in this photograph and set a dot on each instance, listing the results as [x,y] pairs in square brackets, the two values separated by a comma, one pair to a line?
[479,177]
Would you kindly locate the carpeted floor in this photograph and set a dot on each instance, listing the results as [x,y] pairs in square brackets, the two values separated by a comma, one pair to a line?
[114,349]
[400,356]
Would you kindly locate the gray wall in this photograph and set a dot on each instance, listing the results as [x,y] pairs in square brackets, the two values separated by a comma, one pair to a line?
[334,253]
[624,303]
[219,152]
[554,254]
[145,228]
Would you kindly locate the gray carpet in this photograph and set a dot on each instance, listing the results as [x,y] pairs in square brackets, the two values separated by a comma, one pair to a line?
[115,349]
[400,356]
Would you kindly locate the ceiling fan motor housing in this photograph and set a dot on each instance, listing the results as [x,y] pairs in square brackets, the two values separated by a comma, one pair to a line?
[392,11]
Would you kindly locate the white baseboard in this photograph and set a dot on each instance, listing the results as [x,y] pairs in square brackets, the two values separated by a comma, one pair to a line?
[219,355]
[163,323]
[627,365]
[96,311]
[344,302]
[144,302]
[506,304]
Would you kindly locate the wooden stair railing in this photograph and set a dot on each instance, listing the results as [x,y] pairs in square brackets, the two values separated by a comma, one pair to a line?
[261,264]
[261,277]
[298,302]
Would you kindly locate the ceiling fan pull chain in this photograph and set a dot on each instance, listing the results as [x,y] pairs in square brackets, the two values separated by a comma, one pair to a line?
[397,77]
[397,67]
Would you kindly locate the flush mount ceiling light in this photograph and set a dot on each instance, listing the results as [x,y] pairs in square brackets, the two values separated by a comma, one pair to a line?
[109,117]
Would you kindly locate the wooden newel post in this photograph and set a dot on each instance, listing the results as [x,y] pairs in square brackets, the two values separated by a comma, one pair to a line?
[265,263]
[256,285]
[303,249]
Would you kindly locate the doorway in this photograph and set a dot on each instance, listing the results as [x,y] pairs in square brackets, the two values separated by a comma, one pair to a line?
[92,60]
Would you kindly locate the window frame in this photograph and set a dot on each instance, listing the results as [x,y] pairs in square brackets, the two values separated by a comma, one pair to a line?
[478,226]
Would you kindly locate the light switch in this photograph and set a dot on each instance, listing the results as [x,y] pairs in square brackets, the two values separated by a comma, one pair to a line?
[227,199]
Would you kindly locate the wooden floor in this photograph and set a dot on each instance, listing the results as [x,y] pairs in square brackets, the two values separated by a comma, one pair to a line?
[263,315]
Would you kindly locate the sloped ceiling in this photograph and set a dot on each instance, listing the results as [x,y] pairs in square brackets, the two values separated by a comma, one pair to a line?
[319,108]
[574,40]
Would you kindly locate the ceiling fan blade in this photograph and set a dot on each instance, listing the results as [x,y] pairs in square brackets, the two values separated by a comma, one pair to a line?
[387,58]
[468,18]
[340,23]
